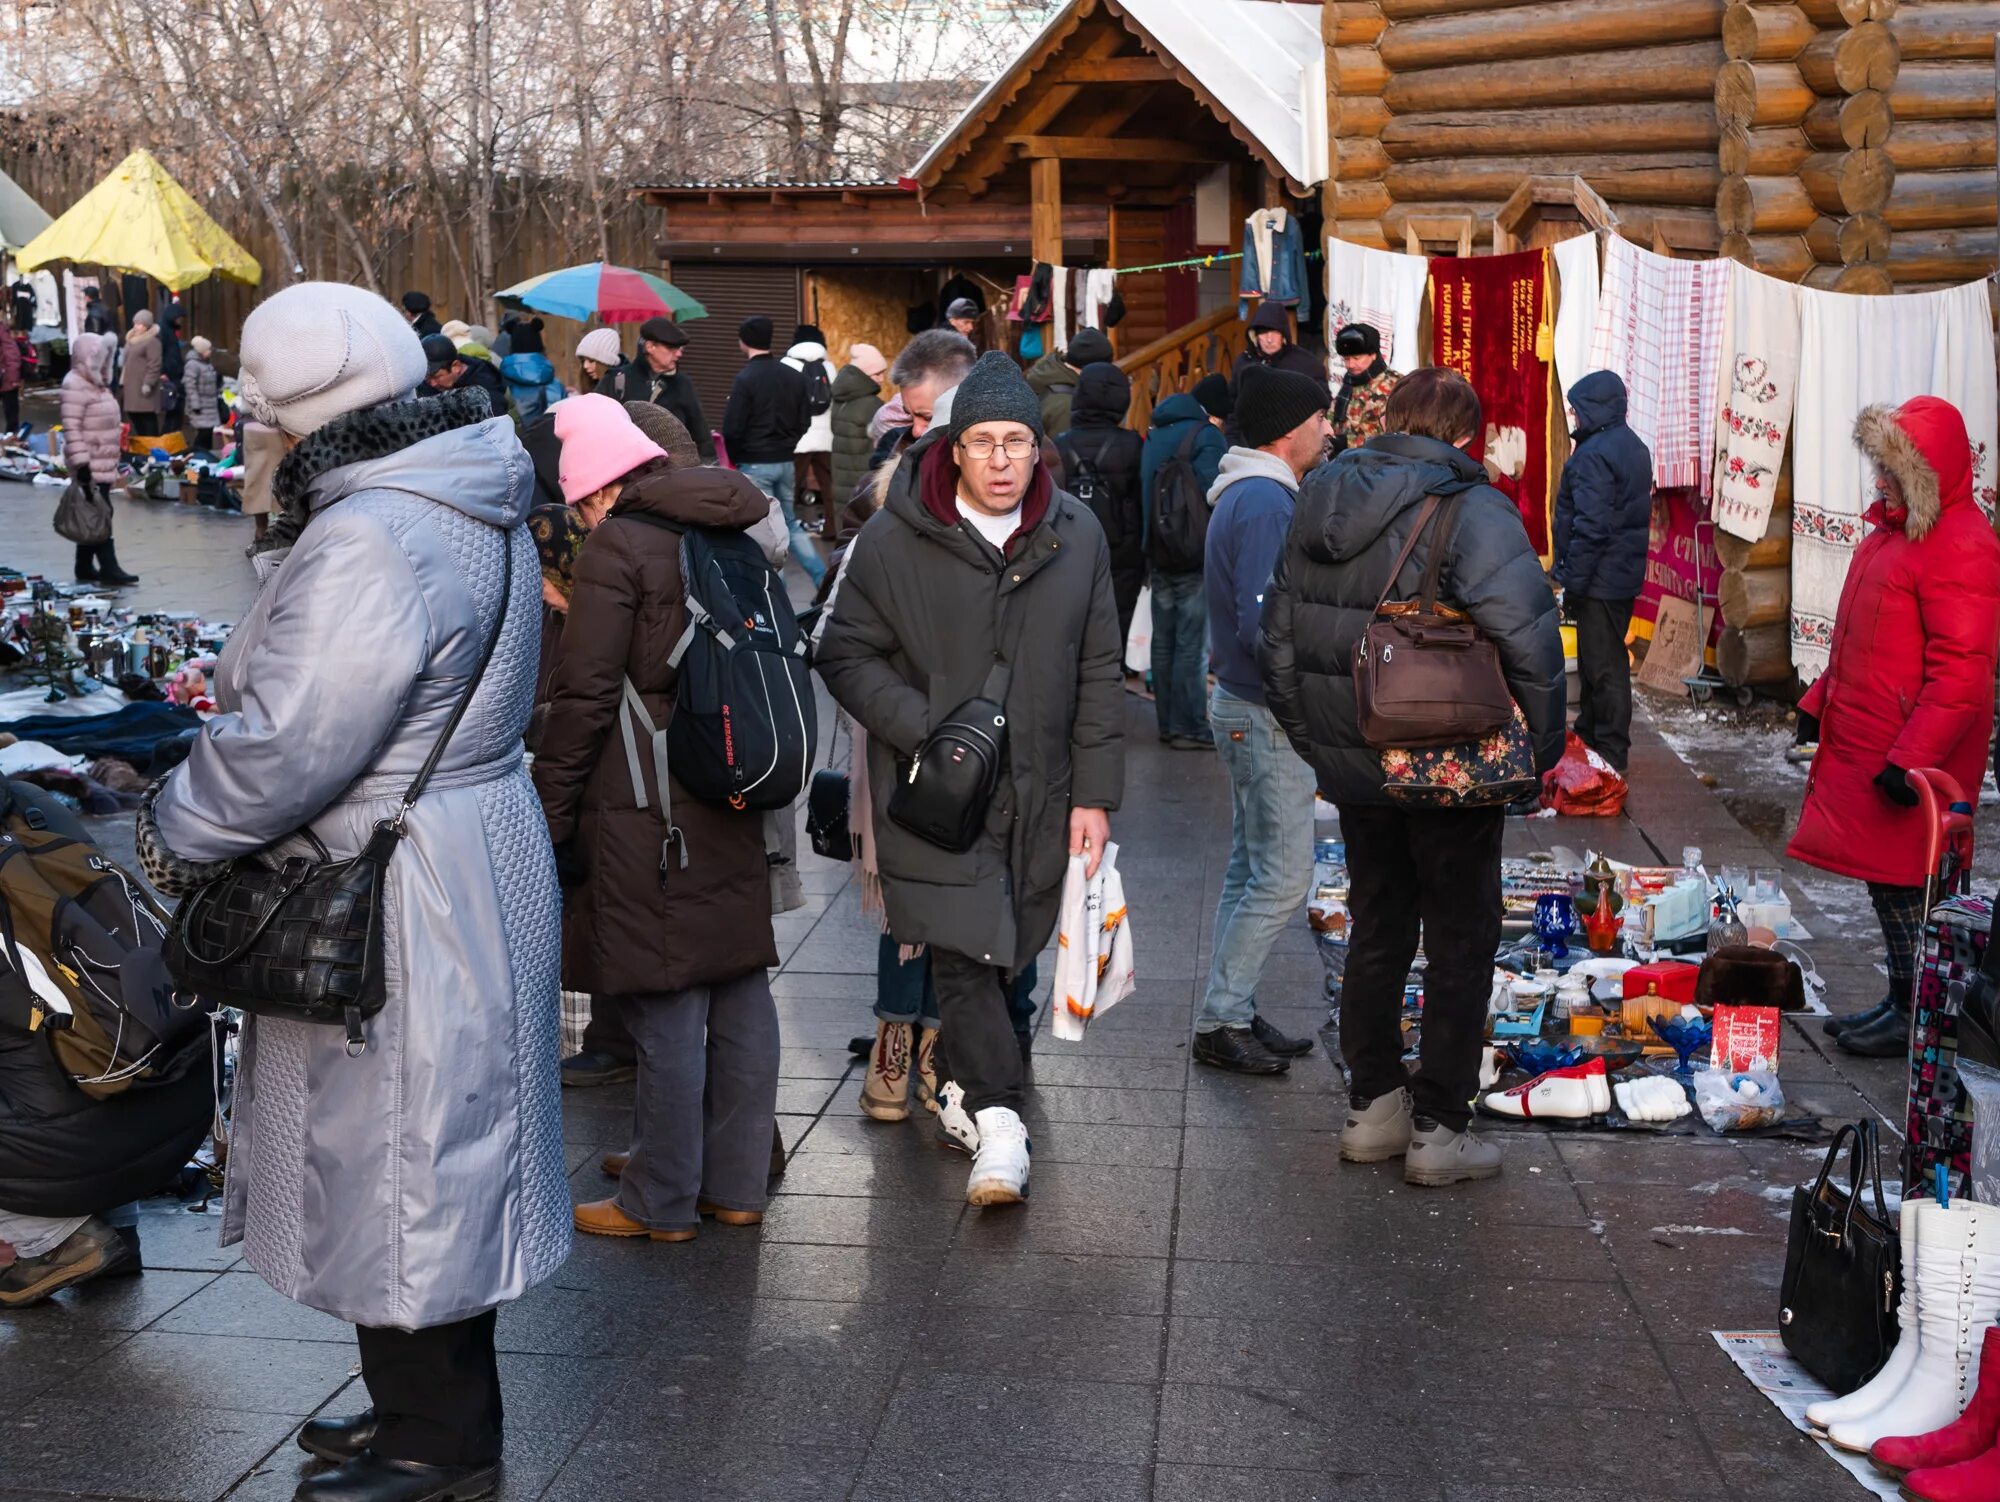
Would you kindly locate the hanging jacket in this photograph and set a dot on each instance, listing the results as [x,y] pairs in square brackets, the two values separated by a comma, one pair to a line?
[1354,515]
[1604,506]
[1272,237]
[91,422]
[1910,680]
[531,380]
[857,397]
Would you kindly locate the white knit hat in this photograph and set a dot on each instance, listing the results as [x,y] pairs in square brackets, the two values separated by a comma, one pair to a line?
[319,350]
[600,345]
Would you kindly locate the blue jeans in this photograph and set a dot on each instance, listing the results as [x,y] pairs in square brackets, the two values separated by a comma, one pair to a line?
[1270,854]
[777,482]
[906,992]
[1180,654]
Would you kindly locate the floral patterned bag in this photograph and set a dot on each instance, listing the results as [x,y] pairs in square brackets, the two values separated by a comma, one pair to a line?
[1494,769]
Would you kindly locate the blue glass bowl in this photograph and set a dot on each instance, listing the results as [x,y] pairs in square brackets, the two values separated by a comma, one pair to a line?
[1537,1056]
[1686,1037]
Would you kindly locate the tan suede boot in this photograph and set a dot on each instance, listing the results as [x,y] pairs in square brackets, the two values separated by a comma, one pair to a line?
[927,1080]
[885,1091]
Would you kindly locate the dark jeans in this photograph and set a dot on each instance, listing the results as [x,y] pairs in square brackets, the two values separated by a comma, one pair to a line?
[204,440]
[144,424]
[1441,868]
[10,406]
[1604,711]
[606,1032]
[1180,654]
[436,1392]
[906,992]
[976,1010]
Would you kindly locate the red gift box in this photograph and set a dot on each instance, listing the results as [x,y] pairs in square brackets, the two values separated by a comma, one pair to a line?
[1671,980]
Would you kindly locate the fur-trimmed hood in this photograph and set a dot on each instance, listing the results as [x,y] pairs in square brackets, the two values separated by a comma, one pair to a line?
[1923,444]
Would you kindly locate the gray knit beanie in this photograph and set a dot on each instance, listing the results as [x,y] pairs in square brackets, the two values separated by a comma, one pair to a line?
[994,391]
[319,350]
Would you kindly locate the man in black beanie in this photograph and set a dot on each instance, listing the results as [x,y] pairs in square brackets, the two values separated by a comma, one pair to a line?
[978,580]
[1363,398]
[768,413]
[1282,417]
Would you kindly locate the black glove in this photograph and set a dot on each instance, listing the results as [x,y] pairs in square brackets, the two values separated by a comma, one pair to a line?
[81,474]
[570,872]
[1895,785]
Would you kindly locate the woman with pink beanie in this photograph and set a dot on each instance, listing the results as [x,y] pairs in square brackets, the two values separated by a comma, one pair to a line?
[681,950]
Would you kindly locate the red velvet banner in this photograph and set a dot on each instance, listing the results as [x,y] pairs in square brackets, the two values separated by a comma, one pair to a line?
[1487,315]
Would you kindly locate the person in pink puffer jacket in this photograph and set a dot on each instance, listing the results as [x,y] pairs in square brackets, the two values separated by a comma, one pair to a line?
[91,430]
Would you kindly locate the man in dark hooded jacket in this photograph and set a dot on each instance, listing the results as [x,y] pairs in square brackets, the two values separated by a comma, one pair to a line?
[1270,343]
[1100,461]
[1181,426]
[1054,377]
[1604,514]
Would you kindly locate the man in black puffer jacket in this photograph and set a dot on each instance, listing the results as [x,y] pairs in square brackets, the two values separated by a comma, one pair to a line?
[1604,513]
[1100,463]
[1440,865]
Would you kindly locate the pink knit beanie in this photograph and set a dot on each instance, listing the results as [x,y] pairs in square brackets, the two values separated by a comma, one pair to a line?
[600,444]
[868,360]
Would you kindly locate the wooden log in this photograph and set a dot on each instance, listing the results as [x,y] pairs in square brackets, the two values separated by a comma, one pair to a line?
[1357,159]
[1680,126]
[1772,550]
[1359,70]
[1942,200]
[1359,117]
[1765,33]
[1846,62]
[1848,182]
[1775,151]
[1856,240]
[1837,13]
[1940,145]
[1045,210]
[1943,91]
[1396,223]
[1737,248]
[1760,654]
[1639,178]
[1870,281]
[1639,76]
[1946,29]
[1854,123]
[1363,200]
[1562,29]
[1367,232]
[1413,10]
[1759,94]
[1822,238]
[1764,206]
[1358,23]
[1945,255]
[1755,597]
[1783,256]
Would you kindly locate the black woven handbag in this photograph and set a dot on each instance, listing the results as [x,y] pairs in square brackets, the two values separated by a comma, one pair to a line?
[1843,1265]
[303,940]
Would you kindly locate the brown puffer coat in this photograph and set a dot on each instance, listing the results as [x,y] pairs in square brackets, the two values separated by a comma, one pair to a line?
[143,361]
[91,423]
[624,932]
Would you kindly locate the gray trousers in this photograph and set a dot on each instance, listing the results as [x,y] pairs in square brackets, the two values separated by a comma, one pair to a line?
[706,1100]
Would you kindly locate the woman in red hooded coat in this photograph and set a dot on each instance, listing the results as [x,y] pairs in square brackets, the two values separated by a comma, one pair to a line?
[1910,684]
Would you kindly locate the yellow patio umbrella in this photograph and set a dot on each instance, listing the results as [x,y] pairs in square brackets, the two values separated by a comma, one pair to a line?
[139,219]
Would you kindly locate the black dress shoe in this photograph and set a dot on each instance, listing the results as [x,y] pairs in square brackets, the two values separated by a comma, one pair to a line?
[1833,1027]
[862,1046]
[1237,1050]
[591,1068]
[371,1478]
[338,1440]
[1278,1043]
[1887,1037]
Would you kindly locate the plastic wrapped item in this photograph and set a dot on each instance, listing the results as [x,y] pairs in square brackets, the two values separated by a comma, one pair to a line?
[1738,1102]
[1655,1098]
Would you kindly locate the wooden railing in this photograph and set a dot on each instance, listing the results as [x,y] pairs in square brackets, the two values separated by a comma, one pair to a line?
[1173,363]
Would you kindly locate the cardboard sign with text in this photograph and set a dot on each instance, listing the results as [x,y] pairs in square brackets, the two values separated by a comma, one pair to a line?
[1675,653]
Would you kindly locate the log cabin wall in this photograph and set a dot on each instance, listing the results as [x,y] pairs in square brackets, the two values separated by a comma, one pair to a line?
[1479,94]
[1355,201]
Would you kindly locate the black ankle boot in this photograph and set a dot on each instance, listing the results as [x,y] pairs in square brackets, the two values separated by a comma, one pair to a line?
[107,566]
[1887,1036]
[338,1440]
[371,1478]
[86,563]
[1833,1027]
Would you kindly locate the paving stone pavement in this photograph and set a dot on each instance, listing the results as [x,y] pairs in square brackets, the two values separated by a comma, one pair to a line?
[1200,1304]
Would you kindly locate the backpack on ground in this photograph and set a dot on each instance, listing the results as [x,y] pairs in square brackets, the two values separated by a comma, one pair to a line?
[80,961]
[1177,539]
[819,390]
[744,723]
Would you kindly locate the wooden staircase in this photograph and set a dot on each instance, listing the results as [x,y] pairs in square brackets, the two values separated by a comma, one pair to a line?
[1174,363]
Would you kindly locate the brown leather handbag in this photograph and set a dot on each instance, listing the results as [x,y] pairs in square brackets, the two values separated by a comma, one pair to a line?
[1424,674]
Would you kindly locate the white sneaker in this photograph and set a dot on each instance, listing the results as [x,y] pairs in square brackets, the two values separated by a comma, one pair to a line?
[1000,1169]
[954,1121]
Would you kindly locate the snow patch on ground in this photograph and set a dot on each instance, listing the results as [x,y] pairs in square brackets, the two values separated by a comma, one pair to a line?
[1698,1231]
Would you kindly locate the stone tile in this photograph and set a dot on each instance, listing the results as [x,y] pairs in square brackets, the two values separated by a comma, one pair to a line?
[769,1404]
[557,1320]
[795,1332]
[1382,1304]
[833,1220]
[1095,1284]
[1006,1419]
[146,1446]
[1102,1107]
[1065,1345]
[1055,1065]
[898,1476]
[919,1173]
[1080,1208]
[611,1464]
[1294,1151]
[180,1238]
[560,1394]
[113,1304]
[835,1274]
[242,1303]
[1205,1483]
[226,1371]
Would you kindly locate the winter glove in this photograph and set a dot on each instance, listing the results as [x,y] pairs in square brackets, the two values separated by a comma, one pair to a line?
[1895,785]
[81,474]
[170,874]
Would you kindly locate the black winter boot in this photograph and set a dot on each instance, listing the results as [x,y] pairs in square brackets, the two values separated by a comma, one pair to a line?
[108,570]
[86,563]
[1833,1027]
[1887,1036]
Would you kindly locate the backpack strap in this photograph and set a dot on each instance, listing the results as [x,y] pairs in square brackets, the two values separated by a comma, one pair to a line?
[633,721]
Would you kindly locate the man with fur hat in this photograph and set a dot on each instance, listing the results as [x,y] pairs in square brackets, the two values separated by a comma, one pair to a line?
[769,411]
[980,579]
[1363,397]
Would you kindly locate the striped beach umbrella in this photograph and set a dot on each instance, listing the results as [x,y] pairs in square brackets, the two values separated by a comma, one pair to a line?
[605,293]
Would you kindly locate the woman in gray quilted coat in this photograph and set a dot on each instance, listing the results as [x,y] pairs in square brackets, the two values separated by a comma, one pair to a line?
[414,1188]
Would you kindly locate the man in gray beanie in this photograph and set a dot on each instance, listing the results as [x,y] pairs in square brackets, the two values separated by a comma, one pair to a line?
[980,584]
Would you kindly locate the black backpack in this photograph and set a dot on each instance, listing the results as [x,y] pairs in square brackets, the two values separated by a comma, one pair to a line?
[1177,541]
[819,390]
[744,722]
[1084,480]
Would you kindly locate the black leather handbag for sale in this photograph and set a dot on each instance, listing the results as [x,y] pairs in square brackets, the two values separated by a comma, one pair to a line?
[942,794]
[303,940]
[1843,1268]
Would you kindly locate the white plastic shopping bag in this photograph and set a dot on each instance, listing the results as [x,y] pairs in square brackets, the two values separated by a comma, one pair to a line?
[1093,946]
[1139,640]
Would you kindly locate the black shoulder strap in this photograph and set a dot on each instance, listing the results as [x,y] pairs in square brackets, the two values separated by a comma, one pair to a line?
[416,788]
[1185,448]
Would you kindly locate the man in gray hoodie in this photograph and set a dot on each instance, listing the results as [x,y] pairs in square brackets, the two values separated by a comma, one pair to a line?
[1282,417]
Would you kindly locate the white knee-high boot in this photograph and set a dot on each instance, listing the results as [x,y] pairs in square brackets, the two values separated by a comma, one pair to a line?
[1885,1384]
